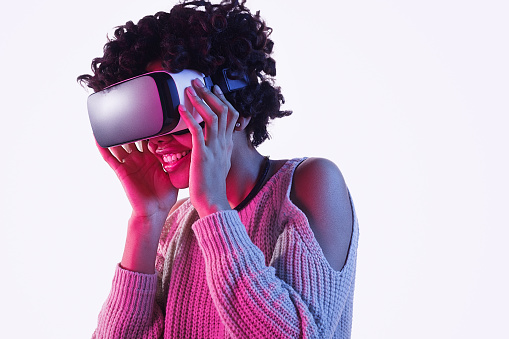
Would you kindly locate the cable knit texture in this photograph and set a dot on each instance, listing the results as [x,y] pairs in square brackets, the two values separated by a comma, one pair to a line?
[257,273]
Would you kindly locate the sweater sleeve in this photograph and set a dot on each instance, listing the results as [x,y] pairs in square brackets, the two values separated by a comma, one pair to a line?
[298,296]
[130,311]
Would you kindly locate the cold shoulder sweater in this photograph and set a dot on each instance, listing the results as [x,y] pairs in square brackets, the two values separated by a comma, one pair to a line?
[256,273]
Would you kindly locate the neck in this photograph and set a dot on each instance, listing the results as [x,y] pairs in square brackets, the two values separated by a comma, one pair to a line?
[245,169]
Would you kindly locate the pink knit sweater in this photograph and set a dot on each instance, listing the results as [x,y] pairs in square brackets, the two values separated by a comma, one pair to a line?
[257,273]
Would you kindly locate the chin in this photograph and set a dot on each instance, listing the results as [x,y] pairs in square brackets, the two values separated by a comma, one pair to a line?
[179,185]
[178,172]
[179,181]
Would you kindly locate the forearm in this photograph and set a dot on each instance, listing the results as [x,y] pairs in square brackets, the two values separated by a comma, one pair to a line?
[141,243]
[130,310]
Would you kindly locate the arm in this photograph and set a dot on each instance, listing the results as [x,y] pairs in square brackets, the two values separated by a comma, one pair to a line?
[298,296]
[151,195]
[130,309]
[304,296]
[319,190]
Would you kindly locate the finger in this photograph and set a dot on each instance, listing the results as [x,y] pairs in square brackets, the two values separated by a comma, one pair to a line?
[133,147]
[210,118]
[220,107]
[138,146]
[120,153]
[193,126]
[105,152]
[216,104]
[130,147]
[233,114]
[107,155]
[144,145]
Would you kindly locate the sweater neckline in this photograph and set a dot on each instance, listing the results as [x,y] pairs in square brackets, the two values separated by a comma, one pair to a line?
[257,187]
[273,179]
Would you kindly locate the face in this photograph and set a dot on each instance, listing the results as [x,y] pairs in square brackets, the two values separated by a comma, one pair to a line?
[174,153]
[172,150]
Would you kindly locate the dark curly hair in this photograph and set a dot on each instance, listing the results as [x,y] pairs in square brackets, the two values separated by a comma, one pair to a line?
[205,37]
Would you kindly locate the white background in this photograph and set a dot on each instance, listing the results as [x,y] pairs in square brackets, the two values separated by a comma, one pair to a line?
[409,98]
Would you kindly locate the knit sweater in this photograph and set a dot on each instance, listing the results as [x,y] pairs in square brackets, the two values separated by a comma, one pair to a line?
[255,273]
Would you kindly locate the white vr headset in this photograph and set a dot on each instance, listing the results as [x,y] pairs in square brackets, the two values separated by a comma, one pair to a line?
[147,105]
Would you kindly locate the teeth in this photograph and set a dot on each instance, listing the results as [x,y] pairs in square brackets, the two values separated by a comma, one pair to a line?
[174,156]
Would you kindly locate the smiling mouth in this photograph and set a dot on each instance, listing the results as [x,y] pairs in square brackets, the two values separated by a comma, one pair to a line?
[172,158]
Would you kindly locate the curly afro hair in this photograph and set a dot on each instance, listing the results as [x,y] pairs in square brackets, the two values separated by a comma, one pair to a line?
[205,37]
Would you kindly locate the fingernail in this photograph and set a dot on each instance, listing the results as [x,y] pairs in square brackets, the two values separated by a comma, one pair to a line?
[191,91]
[199,83]
[218,90]
[182,108]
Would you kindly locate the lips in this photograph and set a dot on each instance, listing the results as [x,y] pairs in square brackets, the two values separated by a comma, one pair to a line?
[173,157]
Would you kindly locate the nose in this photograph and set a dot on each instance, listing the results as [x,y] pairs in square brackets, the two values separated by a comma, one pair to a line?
[161,139]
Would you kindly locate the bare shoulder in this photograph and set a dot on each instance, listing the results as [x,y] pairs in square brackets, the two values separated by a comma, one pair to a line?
[319,190]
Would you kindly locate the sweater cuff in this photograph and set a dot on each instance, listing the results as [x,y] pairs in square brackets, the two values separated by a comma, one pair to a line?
[132,288]
[222,233]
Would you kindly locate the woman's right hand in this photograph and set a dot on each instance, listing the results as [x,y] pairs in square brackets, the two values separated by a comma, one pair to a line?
[147,185]
[151,194]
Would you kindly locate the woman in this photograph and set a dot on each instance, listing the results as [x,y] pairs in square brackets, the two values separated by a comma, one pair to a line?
[262,248]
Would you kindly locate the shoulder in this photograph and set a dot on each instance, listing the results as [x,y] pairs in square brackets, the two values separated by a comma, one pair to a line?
[319,178]
[316,169]
[320,191]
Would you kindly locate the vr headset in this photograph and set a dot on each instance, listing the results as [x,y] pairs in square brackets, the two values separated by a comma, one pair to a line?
[147,105]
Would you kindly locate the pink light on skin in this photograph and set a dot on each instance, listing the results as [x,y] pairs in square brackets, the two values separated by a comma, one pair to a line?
[174,153]
[173,160]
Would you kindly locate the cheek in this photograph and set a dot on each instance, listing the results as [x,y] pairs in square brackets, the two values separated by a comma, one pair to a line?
[184,140]
[151,148]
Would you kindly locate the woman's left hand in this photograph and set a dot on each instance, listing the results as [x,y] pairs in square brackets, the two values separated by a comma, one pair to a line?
[212,147]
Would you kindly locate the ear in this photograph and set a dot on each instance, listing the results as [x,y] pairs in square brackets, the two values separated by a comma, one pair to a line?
[242,123]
